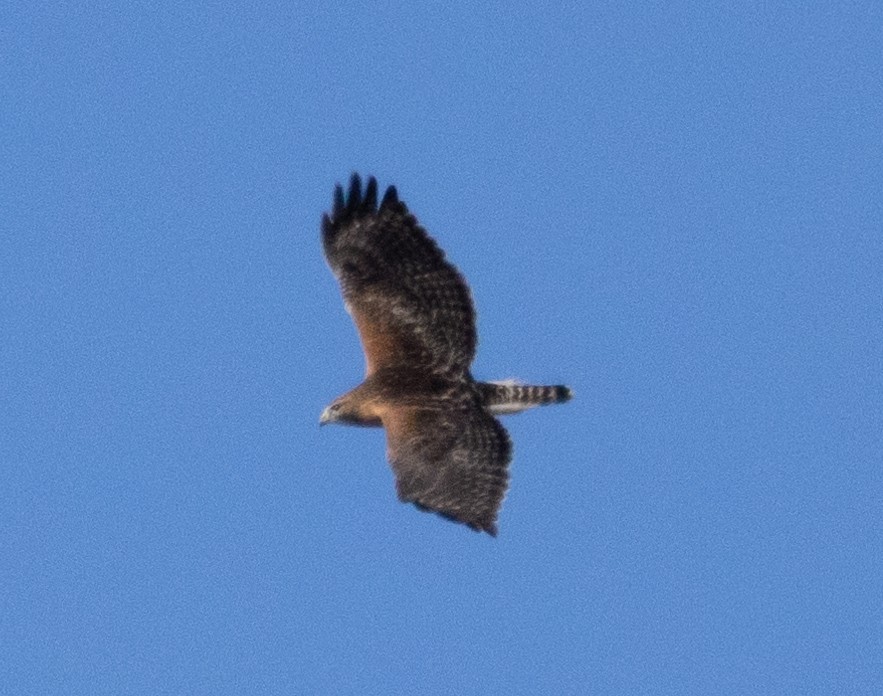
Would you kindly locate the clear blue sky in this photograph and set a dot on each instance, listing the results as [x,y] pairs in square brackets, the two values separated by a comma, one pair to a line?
[676,208]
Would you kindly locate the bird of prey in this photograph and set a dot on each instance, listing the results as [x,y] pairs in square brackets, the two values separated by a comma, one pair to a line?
[415,318]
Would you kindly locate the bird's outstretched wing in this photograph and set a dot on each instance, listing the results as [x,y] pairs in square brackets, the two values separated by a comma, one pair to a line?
[410,305]
[450,461]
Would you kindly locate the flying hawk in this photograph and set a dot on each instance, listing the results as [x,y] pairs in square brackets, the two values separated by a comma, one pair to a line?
[414,314]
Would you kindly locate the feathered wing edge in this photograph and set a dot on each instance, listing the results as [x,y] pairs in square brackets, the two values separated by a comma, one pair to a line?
[355,205]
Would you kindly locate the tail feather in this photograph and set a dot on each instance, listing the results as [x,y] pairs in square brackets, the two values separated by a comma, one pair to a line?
[501,398]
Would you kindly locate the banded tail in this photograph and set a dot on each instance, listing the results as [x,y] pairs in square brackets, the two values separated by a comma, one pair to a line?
[502,398]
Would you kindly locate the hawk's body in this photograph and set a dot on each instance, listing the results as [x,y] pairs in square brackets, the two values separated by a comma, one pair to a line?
[414,314]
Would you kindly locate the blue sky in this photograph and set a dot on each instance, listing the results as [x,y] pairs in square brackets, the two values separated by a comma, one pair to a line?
[674,208]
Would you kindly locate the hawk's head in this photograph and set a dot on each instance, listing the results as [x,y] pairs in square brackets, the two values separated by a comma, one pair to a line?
[335,412]
[348,410]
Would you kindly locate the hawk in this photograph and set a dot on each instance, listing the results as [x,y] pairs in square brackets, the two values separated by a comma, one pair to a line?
[415,318]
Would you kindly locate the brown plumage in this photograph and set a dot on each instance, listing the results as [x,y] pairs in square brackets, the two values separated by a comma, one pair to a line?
[414,314]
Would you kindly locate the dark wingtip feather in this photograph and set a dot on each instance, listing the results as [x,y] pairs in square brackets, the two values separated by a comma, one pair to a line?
[369,202]
[354,198]
[390,198]
[339,203]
